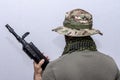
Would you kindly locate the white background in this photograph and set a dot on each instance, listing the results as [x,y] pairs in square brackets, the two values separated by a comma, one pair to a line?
[39,17]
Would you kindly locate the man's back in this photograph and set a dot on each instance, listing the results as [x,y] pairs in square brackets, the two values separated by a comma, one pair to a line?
[83,65]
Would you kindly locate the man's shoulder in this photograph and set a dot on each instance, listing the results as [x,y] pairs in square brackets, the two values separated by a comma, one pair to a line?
[104,54]
[80,54]
[54,62]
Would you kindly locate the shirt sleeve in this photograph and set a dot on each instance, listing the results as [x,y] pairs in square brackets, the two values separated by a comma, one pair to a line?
[118,75]
[48,73]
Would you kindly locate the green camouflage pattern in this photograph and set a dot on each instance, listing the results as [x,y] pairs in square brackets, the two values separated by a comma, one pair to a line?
[76,33]
[78,19]
[77,23]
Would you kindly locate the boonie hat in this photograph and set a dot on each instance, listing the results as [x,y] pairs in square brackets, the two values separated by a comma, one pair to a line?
[77,23]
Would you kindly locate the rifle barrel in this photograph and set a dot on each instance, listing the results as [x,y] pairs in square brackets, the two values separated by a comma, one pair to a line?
[15,34]
[9,28]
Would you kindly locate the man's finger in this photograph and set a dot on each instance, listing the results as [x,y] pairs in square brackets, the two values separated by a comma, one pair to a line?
[41,62]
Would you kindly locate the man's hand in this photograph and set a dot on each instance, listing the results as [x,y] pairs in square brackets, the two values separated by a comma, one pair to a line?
[38,70]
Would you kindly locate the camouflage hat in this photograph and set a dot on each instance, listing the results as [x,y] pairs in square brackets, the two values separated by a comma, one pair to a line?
[77,23]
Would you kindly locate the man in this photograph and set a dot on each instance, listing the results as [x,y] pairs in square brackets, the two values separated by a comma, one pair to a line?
[80,59]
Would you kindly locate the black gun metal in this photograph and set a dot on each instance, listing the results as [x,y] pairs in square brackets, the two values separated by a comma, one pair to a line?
[29,48]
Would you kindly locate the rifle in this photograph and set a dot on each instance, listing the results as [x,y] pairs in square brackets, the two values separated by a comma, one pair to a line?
[29,48]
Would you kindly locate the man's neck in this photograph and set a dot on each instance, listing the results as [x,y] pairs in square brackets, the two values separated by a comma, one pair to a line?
[79,44]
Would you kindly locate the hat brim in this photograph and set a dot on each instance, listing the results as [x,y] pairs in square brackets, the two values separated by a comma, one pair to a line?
[76,33]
